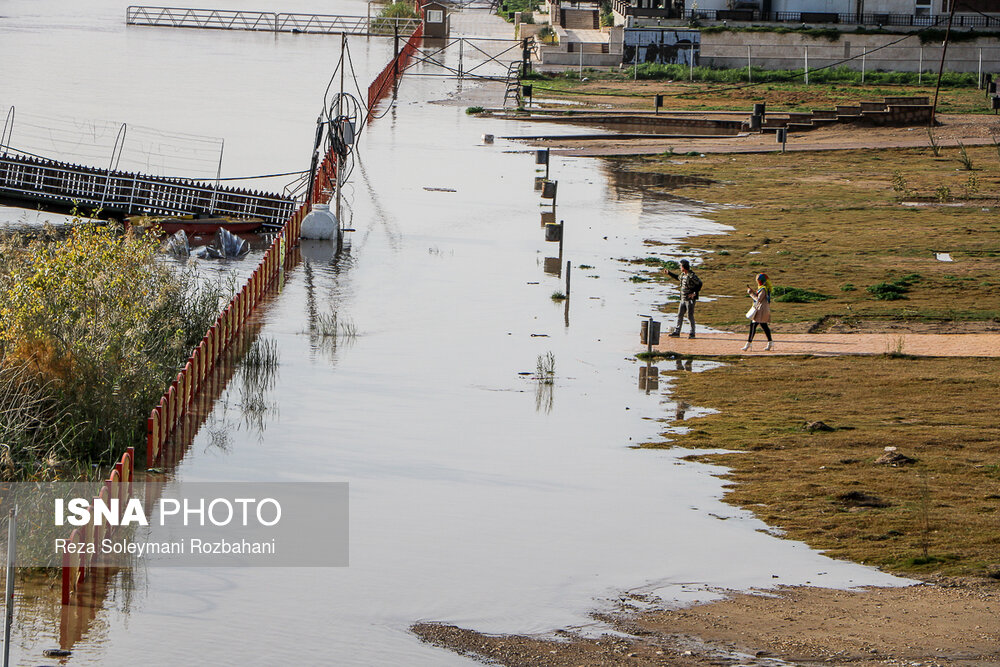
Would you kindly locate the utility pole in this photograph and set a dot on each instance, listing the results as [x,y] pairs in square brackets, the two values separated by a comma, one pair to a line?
[944,50]
[338,172]
[9,594]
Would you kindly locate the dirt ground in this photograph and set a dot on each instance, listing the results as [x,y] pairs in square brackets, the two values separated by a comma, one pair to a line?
[948,622]
[921,345]
[969,129]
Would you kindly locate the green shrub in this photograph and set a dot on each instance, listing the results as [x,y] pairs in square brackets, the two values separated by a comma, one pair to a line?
[796,295]
[887,291]
[474,110]
[93,326]
[384,23]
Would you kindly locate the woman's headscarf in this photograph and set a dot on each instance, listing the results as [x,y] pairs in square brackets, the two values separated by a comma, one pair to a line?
[762,279]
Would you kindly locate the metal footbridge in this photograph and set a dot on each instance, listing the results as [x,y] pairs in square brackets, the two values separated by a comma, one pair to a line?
[30,181]
[259,21]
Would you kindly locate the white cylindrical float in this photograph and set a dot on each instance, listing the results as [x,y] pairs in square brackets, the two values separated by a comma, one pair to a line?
[321,223]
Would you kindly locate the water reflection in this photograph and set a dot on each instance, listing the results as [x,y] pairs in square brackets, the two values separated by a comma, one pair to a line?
[545,375]
[327,328]
[649,378]
[626,183]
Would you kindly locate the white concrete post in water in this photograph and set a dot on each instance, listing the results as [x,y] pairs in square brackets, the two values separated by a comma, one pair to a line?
[461,53]
[9,595]
[692,59]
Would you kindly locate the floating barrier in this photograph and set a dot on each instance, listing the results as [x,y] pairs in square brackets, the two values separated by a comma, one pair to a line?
[179,397]
[75,566]
[390,75]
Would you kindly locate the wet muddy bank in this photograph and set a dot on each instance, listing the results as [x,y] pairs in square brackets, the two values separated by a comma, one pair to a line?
[945,621]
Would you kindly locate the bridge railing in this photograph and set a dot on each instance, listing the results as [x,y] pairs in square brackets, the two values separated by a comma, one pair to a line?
[232,19]
[131,193]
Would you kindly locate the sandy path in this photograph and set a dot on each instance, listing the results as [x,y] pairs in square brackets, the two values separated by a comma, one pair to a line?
[921,345]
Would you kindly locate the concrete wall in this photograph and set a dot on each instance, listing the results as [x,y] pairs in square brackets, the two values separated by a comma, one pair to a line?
[552,56]
[787,51]
[839,6]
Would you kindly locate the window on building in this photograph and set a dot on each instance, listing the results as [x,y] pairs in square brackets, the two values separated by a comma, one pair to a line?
[435,16]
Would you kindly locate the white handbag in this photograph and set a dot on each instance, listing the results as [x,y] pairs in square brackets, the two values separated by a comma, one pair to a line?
[752,312]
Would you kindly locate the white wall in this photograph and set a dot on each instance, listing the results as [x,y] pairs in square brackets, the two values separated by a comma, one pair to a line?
[787,51]
[834,6]
[838,6]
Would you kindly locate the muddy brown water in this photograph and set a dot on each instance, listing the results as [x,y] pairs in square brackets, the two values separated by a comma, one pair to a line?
[477,497]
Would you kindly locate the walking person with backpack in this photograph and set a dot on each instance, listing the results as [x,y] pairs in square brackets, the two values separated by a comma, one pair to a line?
[690,286]
[760,312]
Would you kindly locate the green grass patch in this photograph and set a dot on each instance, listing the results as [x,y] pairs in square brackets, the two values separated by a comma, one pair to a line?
[797,295]
[826,488]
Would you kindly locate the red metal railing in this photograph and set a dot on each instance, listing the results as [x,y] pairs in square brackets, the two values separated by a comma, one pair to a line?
[388,77]
[75,566]
[164,418]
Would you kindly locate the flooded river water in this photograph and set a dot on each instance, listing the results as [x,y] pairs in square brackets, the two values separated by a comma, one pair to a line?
[478,496]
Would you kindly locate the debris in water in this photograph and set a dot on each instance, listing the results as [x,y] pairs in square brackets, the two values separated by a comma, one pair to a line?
[225,246]
[56,653]
[178,246]
[943,257]
[440,189]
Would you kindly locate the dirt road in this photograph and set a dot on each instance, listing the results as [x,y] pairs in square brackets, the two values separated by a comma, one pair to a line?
[920,345]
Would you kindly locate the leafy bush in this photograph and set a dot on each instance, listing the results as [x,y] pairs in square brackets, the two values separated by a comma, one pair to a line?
[887,291]
[385,24]
[893,291]
[93,325]
[507,8]
[796,295]
[474,110]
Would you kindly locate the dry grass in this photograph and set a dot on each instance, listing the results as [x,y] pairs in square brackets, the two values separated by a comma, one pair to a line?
[937,515]
[601,91]
[832,221]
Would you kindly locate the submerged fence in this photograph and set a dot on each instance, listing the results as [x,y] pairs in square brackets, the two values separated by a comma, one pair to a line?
[75,566]
[178,398]
[390,74]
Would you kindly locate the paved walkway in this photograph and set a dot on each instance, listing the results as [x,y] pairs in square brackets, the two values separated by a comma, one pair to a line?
[921,345]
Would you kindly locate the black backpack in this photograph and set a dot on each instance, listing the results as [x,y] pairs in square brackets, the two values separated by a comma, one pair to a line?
[694,284]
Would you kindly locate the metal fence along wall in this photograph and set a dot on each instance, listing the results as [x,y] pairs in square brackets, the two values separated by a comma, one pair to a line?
[793,53]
